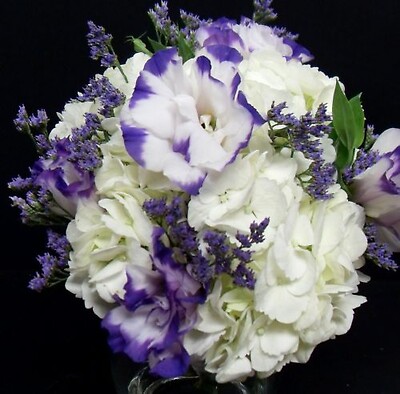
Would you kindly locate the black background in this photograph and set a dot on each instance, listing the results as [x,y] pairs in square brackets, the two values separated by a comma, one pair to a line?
[49,343]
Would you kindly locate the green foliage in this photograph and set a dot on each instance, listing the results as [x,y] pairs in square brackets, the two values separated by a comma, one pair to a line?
[184,49]
[139,45]
[348,127]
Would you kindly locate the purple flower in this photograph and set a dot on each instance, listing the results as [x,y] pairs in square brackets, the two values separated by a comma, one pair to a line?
[66,182]
[183,121]
[378,189]
[159,308]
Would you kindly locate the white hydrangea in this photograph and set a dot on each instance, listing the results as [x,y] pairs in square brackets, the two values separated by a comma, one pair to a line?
[268,77]
[72,116]
[106,236]
[306,273]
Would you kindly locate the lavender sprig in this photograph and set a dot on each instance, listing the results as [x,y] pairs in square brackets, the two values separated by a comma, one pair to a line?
[364,160]
[101,48]
[191,23]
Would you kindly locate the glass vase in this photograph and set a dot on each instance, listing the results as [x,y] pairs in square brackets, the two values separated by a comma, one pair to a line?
[145,383]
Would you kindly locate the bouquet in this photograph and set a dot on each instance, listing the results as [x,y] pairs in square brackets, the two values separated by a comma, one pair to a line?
[213,198]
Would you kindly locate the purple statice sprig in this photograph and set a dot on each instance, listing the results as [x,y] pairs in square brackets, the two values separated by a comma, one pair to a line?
[100,88]
[100,45]
[210,253]
[303,134]
[378,252]
[34,126]
[35,207]
[233,259]
[53,265]
[364,160]
[263,13]
[181,34]
[83,147]
[191,23]
[365,157]
[167,31]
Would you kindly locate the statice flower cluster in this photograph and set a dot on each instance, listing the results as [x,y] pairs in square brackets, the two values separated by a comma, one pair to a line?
[53,265]
[365,157]
[305,135]
[377,251]
[215,196]
[169,32]
[103,90]
[220,255]
[100,45]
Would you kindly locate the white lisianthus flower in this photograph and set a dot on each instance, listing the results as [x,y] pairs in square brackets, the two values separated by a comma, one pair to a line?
[268,78]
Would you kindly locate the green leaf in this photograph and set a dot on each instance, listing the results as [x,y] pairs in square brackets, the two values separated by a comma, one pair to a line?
[139,45]
[359,119]
[343,117]
[156,45]
[184,49]
[344,156]
[348,119]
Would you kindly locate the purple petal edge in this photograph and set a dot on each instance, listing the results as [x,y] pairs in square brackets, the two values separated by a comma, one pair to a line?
[135,139]
[158,64]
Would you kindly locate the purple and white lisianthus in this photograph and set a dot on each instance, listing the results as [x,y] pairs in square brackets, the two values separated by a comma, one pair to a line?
[378,188]
[64,180]
[248,36]
[200,124]
[158,309]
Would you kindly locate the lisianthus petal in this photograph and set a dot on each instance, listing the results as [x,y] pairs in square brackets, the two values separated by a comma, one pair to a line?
[170,364]
[387,141]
